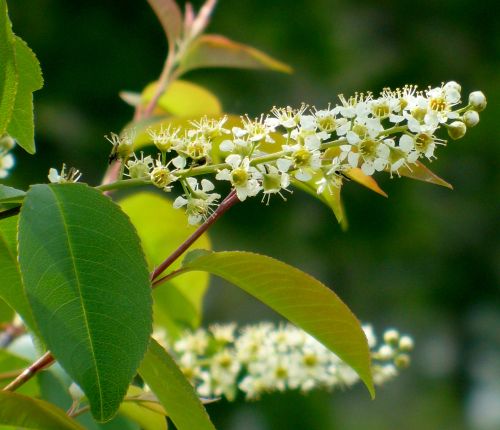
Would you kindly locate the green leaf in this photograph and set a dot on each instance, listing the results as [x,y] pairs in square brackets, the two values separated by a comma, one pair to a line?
[10,195]
[8,72]
[297,296]
[170,17]
[212,50]
[11,286]
[177,303]
[87,281]
[29,75]
[420,172]
[29,413]
[139,411]
[173,390]
[6,312]
[184,99]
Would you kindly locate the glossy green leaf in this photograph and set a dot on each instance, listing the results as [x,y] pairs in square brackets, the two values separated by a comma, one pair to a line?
[173,390]
[184,99]
[422,173]
[212,50]
[87,281]
[29,413]
[297,296]
[11,286]
[29,75]
[6,312]
[178,303]
[170,17]
[8,72]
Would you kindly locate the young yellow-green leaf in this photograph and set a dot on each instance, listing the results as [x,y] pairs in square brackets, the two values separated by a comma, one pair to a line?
[148,417]
[213,50]
[8,72]
[358,176]
[178,303]
[28,413]
[173,390]
[87,281]
[11,286]
[29,75]
[422,173]
[184,99]
[297,296]
[170,17]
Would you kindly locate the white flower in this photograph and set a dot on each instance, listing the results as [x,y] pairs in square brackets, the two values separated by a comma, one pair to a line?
[161,176]
[6,163]
[72,175]
[209,128]
[199,201]
[243,177]
[139,167]
[286,117]
[196,343]
[166,139]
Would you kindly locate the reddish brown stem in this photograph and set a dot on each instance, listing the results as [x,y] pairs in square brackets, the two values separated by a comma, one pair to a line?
[44,361]
[227,203]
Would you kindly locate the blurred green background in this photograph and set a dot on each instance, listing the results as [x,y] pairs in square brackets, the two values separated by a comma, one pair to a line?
[426,261]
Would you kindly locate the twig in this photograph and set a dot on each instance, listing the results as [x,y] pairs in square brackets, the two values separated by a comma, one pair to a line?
[227,203]
[44,361]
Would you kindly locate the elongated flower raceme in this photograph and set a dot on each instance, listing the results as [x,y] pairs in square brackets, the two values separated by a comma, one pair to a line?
[265,155]
[264,358]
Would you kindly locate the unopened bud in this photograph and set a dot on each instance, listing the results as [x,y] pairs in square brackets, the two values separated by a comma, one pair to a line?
[477,100]
[471,118]
[456,130]
[402,361]
[7,143]
[406,344]
[452,85]
[391,337]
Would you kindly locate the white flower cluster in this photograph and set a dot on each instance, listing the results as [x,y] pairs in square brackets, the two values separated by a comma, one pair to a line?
[6,158]
[265,155]
[264,358]
[319,147]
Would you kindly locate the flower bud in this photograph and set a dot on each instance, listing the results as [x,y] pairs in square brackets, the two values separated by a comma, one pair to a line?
[456,130]
[391,337]
[7,143]
[402,361]
[406,344]
[477,100]
[471,118]
[452,85]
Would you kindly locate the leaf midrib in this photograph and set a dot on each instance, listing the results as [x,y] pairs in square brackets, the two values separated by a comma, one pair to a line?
[72,255]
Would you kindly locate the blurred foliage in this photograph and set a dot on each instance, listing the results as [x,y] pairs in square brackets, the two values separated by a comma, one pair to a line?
[426,260]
